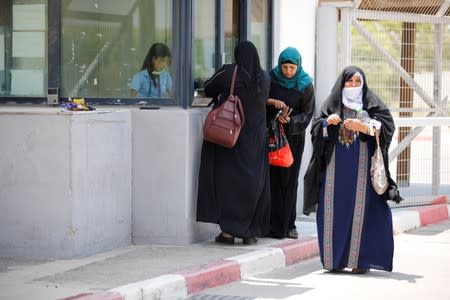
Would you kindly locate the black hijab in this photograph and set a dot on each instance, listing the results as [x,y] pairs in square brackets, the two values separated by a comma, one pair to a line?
[323,150]
[371,103]
[247,58]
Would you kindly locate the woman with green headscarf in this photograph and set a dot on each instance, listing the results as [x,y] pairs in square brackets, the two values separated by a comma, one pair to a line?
[292,92]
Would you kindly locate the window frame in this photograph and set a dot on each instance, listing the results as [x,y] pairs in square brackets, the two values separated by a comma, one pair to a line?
[182,17]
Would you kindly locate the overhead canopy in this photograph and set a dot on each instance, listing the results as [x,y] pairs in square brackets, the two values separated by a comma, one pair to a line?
[423,7]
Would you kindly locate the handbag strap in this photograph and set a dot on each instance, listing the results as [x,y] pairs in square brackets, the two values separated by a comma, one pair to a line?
[237,102]
[377,137]
[233,80]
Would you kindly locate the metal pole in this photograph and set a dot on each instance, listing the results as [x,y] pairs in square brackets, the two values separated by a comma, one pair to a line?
[436,151]
[346,33]
[407,54]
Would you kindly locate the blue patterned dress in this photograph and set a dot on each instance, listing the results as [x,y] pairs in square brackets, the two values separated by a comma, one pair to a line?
[354,223]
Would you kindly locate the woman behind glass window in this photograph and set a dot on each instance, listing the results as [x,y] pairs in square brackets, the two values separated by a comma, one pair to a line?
[354,223]
[154,79]
[233,188]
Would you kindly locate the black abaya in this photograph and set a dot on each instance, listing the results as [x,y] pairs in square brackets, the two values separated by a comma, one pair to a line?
[284,181]
[233,188]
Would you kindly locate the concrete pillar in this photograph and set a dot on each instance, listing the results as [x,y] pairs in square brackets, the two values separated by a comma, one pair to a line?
[326,52]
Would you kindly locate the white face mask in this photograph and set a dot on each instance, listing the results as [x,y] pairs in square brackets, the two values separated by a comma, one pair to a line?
[352,96]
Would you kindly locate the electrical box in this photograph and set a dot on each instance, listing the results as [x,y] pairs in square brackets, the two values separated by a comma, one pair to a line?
[52,96]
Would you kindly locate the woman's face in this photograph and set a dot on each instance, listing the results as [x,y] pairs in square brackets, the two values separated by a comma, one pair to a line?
[288,70]
[355,81]
[160,63]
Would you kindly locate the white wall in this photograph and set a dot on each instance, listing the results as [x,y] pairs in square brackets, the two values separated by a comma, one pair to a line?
[295,26]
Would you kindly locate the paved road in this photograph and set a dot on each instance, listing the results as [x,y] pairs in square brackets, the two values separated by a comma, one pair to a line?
[421,271]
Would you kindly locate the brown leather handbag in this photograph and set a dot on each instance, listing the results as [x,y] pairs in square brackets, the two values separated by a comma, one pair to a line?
[223,124]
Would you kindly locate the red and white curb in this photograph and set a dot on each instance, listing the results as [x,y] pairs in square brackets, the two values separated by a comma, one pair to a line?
[193,280]
[409,219]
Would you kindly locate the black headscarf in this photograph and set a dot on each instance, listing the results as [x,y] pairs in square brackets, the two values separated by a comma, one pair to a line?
[247,58]
[323,150]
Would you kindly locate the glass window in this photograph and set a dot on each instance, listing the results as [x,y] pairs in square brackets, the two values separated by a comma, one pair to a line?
[116,48]
[205,46]
[259,21]
[23,48]
[208,55]
[231,28]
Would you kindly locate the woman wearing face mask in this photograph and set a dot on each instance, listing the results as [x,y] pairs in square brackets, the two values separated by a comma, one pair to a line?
[154,79]
[354,223]
[292,92]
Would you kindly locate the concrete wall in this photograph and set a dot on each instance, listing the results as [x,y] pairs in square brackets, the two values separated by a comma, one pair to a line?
[65,182]
[166,159]
[74,184]
[326,51]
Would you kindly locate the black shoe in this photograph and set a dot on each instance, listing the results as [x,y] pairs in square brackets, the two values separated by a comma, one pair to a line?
[249,240]
[274,236]
[224,240]
[292,234]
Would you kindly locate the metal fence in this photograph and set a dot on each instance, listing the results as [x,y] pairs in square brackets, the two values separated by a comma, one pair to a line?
[428,174]
[404,51]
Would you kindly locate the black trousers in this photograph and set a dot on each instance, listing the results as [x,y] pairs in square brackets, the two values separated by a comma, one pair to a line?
[283,189]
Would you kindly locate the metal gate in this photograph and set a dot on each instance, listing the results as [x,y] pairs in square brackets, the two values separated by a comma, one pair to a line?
[404,49]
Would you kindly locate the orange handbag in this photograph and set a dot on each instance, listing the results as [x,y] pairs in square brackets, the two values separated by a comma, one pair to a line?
[280,153]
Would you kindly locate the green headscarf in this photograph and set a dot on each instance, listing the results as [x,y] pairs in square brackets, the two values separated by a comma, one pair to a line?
[301,79]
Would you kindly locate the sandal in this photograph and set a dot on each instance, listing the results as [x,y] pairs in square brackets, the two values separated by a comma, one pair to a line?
[249,240]
[339,270]
[359,271]
[292,234]
[224,240]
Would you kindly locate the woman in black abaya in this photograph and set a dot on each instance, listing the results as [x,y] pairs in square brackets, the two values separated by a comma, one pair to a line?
[291,88]
[233,188]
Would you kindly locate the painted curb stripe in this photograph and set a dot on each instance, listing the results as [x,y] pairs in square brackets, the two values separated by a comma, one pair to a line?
[405,220]
[440,200]
[97,296]
[300,250]
[433,214]
[211,275]
[259,261]
[170,286]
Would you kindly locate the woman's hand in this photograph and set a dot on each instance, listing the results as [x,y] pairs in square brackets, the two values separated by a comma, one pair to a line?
[356,125]
[333,119]
[276,103]
[284,119]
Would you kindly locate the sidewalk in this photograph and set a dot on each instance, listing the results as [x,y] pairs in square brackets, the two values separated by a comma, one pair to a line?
[175,272]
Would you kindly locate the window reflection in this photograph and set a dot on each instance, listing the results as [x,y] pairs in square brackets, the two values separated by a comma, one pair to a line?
[231,27]
[208,55]
[105,44]
[204,47]
[259,20]
[23,68]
